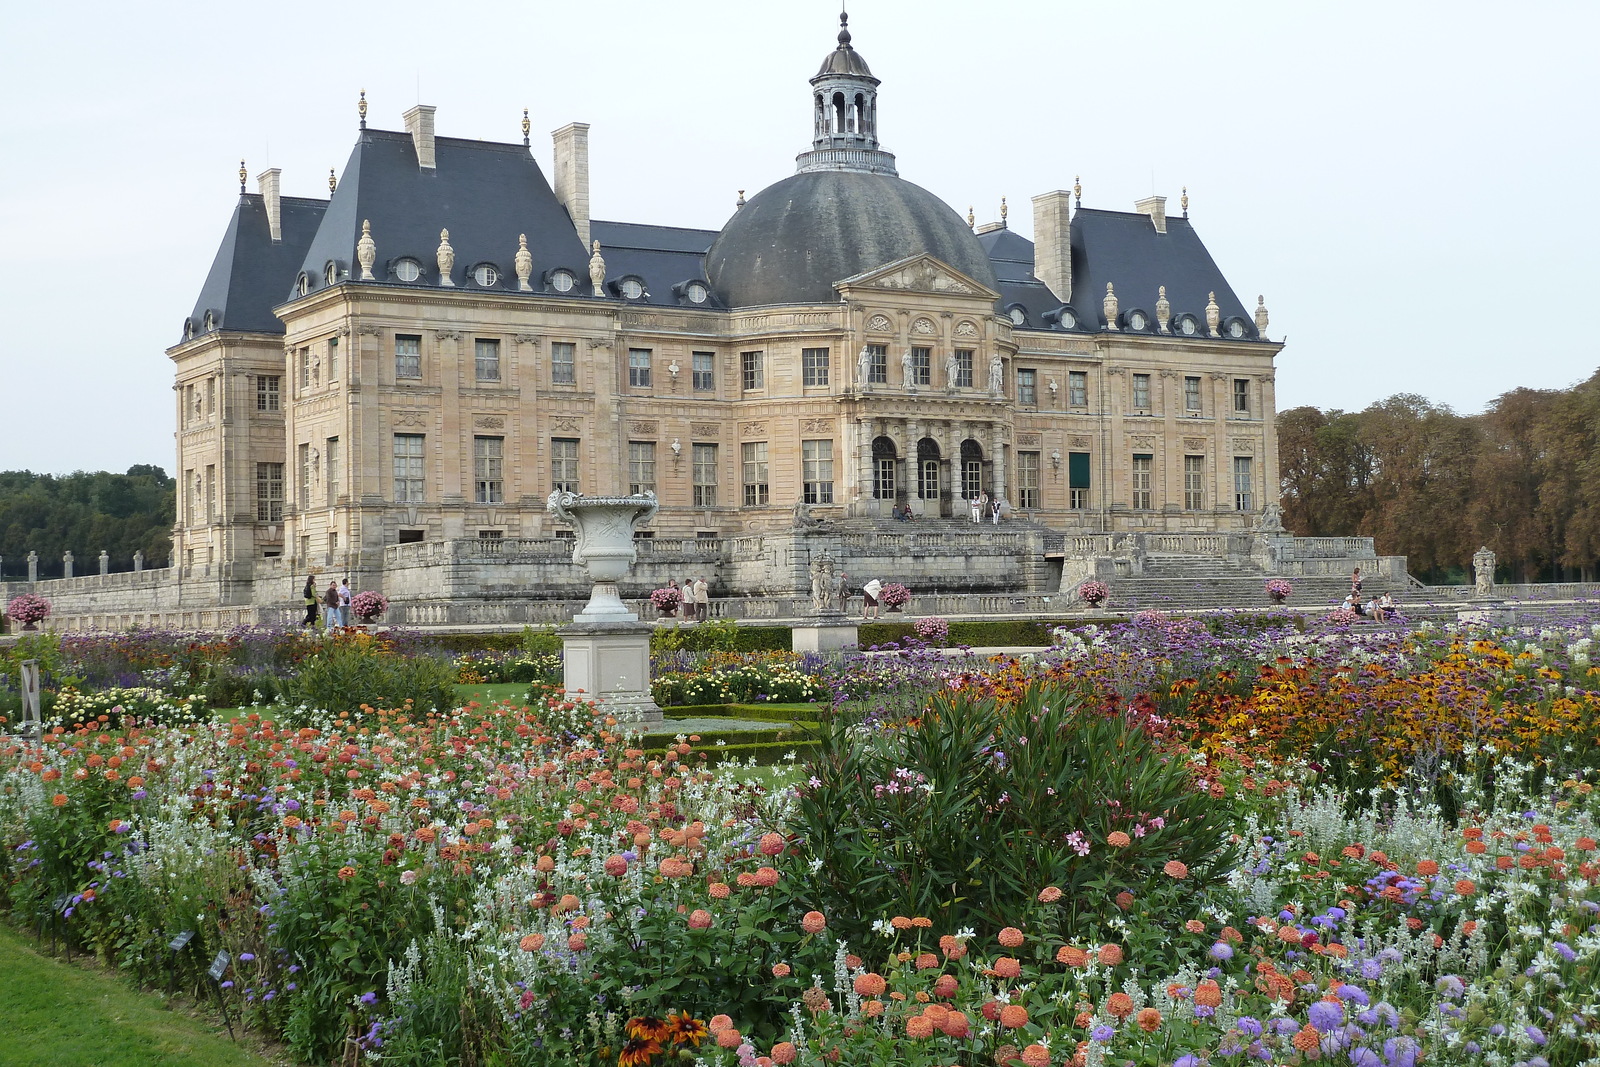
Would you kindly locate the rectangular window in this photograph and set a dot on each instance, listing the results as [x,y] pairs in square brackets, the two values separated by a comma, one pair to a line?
[1241,395]
[878,364]
[491,535]
[1078,388]
[331,456]
[408,468]
[488,470]
[755,376]
[705,475]
[971,478]
[305,369]
[1243,483]
[1194,483]
[564,463]
[211,493]
[705,371]
[563,363]
[1078,480]
[755,472]
[211,396]
[963,368]
[1141,482]
[269,492]
[883,487]
[333,358]
[928,479]
[1141,392]
[188,403]
[814,366]
[922,366]
[639,368]
[1028,387]
[407,356]
[302,493]
[190,492]
[816,461]
[641,467]
[486,359]
[1191,394]
[269,391]
[1028,479]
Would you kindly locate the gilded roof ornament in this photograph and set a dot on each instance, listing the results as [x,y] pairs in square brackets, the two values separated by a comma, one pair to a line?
[361,108]
[244,176]
[740,202]
[1183,201]
[526,126]
[333,182]
[1003,211]
[1077,189]
[972,220]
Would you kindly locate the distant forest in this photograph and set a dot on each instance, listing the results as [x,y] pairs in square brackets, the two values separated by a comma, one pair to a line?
[1522,478]
[85,513]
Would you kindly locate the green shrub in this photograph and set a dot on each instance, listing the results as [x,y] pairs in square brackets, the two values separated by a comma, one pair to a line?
[541,642]
[764,753]
[776,682]
[972,634]
[240,690]
[794,711]
[344,677]
[721,635]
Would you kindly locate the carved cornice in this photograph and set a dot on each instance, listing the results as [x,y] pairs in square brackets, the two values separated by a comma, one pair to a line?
[447,335]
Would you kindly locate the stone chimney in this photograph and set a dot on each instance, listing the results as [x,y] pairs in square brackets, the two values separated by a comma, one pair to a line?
[1052,242]
[1156,208]
[572,174]
[267,183]
[419,124]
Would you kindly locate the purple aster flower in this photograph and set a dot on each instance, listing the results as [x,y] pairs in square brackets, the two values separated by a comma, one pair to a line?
[1248,1026]
[1535,1034]
[1564,950]
[1354,994]
[1326,1015]
[1102,1033]
[1365,1057]
[1221,951]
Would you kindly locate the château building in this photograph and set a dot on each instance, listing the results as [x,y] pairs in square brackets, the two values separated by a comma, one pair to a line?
[425,355]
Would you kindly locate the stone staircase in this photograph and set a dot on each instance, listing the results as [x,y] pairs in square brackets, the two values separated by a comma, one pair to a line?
[1186,583]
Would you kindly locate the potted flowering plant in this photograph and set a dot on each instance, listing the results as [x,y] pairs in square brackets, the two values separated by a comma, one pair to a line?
[1279,589]
[934,630]
[666,600]
[895,596]
[30,609]
[367,605]
[1093,592]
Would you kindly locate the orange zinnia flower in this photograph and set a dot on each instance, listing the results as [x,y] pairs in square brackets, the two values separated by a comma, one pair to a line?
[1175,869]
[1049,894]
[1149,1020]
[59,800]
[946,986]
[955,1025]
[1307,1038]
[1006,967]
[1110,955]
[784,1052]
[870,984]
[919,1027]
[1118,839]
[1036,1056]
[1011,937]
[1427,868]
[1013,1016]
[1120,1005]
[814,922]
[1072,957]
[531,942]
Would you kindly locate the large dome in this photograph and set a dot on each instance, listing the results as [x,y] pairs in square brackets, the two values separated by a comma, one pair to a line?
[793,240]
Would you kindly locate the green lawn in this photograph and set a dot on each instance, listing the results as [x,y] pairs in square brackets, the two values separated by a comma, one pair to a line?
[56,1014]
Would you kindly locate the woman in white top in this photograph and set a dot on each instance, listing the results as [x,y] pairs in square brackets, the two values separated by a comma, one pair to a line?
[869,599]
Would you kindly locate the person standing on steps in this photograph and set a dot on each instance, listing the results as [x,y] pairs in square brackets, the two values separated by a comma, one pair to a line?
[330,604]
[309,595]
[344,602]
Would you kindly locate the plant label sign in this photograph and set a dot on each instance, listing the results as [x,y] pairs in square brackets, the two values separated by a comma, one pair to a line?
[219,966]
[181,942]
[30,695]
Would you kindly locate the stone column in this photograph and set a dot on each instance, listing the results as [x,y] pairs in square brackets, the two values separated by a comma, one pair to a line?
[105,562]
[138,560]
[864,434]
[33,566]
[999,445]
[66,564]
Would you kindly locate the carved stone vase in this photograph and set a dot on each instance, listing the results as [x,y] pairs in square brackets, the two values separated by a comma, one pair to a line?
[603,545]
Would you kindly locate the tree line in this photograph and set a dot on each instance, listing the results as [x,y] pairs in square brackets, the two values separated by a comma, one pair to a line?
[1433,485]
[85,513]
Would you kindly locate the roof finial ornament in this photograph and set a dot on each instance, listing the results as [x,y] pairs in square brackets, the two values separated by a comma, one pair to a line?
[447,258]
[333,182]
[1003,211]
[844,29]
[244,176]
[1108,307]
[526,126]
[1213,315]
[361,108]
[1163,310]
[597,271]
[366,251]
[1183,201]
[1261,317]
[524,264]
[972,219]
[740,202]
[1077,189]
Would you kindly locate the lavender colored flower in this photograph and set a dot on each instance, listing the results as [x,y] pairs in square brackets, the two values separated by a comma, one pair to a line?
[1365,1057]
[1326,1015]
[1102,1033]
[1354,994]
[1535,1034]
[1249,1026]
[1221,951]
[1564,950]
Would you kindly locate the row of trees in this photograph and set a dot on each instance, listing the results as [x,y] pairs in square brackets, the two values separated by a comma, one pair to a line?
[85,513]
[1522,478]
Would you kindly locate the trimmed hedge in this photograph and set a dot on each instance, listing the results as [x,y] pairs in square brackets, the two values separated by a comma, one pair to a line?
[723,638]
[761,712]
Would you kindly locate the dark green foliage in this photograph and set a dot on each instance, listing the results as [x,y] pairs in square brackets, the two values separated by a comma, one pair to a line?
[84,513]
[720,635]
[763,712]
[344,677]
[1003,632]
[764,753]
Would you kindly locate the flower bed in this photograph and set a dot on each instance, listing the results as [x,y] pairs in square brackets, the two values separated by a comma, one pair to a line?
[29,609]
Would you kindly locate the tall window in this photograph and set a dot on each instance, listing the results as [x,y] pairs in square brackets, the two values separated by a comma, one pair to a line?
[563,363]
[302,494]
[408,462]
[641,467]
[333,358]
[816,460]
[407,356]
[963,368]
[1141,482]
[705,371]
[269,392]
[814,366]
[269,492]
[753,365]
[639,368]
[211,492]
[755,473]
[211,396]
[1078,478]
[486,359]
[878,364]
[1191,394]
[330,455]
[564,463]
[305,369]
[1028,387]
[1241,395]
[1243,483]
[1194,483]
[1028,479]
[705,475]
[1141,392]
[188,404]
[921,366]
[883,469]
[190,493]
[1078,388]
[488,469]
[928,479]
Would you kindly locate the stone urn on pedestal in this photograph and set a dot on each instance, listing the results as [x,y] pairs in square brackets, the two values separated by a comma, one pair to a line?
[606,649]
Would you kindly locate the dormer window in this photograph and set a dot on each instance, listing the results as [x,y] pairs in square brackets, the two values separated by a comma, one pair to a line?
[631,288]
[1187,325]
[486,275]
[1138,321]
[330,273]
[1017,314]
[1235,329]
[211,321]
[407,270]
[562,281]
[302,284]
[696,293]
[188,329]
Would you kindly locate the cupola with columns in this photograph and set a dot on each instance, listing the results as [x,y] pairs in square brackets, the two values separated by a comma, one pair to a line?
[845,113]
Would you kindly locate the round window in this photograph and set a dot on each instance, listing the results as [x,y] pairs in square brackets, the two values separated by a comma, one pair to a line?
[1137,321]
[1069,321]
[303,285]
[561,281]
[1019,317]
[1236,329]
[697,293]
[485,275]
[632,288]
[408,270]
[1186,326]
[330,273]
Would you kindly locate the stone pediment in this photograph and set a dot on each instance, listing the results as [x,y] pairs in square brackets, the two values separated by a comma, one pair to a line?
[919,274]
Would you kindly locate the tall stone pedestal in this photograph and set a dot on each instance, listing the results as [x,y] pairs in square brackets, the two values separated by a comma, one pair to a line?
[609,662]
[825,633]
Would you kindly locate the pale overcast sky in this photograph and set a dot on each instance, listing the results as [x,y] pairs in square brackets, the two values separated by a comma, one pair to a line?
[1405,182]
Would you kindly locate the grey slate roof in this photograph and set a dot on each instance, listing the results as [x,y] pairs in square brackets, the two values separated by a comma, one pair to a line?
[485,193]
[793,240]
[250,273]
[664,256]
[1012,256]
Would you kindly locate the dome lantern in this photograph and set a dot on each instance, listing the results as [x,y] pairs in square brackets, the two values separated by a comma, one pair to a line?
[844,103]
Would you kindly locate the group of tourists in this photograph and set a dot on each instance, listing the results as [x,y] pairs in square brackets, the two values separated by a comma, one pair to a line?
[333,604]
[696,599]
[1379,609]
[995,509]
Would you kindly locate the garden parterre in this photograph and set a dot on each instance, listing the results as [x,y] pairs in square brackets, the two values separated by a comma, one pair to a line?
[1413,874]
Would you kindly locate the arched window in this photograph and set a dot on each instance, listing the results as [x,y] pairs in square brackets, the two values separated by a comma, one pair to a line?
[928,469]
[838,113]
[971,468]
[884,461]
